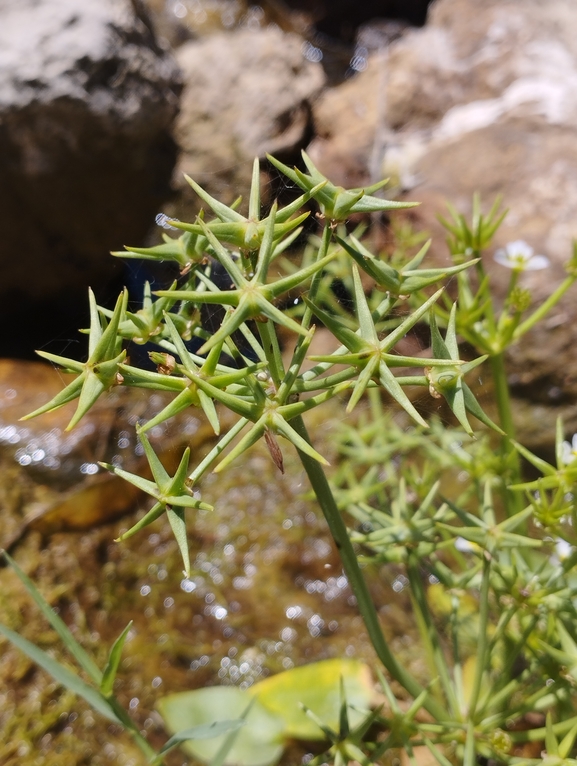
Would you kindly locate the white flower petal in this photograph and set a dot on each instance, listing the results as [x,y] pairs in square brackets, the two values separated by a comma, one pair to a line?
[562,548]
[502,258]
[520,256]
[537,262]
[568,452]
[519,249]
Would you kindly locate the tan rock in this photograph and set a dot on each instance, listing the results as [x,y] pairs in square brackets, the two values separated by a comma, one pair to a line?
[246,93]
[482,99]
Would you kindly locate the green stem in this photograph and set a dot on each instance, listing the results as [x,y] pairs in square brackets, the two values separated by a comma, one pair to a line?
[430,636]
[376,404]
[482,642]
[134,732]
[512,500]
[485,292]
[502,394]
[457,664]
[209,459]
[355,577]
[469,756]
[538,735]
[270,345]
[545,307]
[512,285]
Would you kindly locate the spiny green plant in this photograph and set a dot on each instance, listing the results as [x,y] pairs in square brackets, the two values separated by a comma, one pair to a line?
[503,544]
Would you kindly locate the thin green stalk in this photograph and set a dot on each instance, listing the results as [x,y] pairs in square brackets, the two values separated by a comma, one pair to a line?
[482,643]
[502,688]
[512,500]
[545,307]
[209,459]
[375,403]
[317,278]
[502,395]
[515,650]
[430,636]
[498,700]
[469,755]
[356,580]
[272,351]
[538,735]
[484,286]
[134,732]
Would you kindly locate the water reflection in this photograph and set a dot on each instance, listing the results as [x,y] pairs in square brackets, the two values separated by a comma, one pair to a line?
[266,590]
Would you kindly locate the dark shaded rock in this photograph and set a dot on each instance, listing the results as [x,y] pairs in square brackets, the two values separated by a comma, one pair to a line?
[341,18]
[87,98]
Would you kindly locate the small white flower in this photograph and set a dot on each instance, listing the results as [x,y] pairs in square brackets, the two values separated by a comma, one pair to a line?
[563,550]
[465,546]
[569,451]
[520,256]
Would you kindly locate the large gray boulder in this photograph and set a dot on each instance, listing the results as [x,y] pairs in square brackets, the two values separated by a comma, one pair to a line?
[87,99]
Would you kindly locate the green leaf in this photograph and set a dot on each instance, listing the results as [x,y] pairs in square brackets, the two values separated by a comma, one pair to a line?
[441,759]
[178,524]
[551,743]
[318,687]
[61,674]
[204,731]
[81,657]
[113,662]
[144,484]
[474,408]
[391,384]
[224,212]
[255,433]
[281,426]
[344,724]
[363,381]
[566,744]
[259,741]
[67,394]
[254,199]
[539,463]
[100,371]
[68,365]
[228,743]
[154,513]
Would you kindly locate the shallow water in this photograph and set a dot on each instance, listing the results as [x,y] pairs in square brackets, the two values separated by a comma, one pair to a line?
[267,592]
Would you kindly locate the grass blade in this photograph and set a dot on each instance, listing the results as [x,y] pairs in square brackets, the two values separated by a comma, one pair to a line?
[81,657]
[61,674]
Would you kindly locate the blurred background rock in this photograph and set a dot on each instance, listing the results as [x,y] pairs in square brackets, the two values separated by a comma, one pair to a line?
[89,95]
[104,105]
[87,101]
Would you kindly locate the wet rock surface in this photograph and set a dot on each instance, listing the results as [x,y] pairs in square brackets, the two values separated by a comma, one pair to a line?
[72,491]
[267,591]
